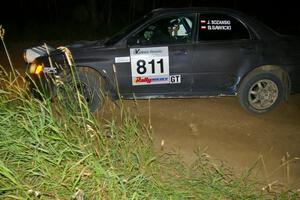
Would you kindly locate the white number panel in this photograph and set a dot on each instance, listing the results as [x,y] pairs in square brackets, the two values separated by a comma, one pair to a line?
[149,65]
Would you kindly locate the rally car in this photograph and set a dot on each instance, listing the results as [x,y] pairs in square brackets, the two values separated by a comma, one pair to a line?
[177,53]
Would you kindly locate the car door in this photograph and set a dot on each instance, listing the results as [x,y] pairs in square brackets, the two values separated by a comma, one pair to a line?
[161,56]
[225,46]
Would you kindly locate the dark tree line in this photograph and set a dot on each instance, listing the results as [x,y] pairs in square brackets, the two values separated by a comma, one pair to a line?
[88,19]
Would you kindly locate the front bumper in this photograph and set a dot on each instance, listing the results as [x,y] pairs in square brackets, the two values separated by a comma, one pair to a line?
[43,83]
[41,86]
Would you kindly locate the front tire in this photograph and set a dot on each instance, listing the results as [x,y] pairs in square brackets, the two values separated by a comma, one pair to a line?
[90,86]
[260,92]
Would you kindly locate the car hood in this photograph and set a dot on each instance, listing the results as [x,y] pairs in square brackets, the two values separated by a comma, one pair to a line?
[78,47]
[86,44]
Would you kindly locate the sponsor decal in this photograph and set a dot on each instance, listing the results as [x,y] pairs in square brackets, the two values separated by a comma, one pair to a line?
[122,59]
[175,79]
[219,22]
[142,80]
[149,65]
[150,80]
[219,28]
[215,25]
[141,51]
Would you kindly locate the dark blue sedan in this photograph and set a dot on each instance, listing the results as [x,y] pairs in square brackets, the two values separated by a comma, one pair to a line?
[178,53]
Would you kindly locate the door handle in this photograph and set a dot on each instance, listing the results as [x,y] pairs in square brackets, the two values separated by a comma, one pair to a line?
[248,47]
[180,51]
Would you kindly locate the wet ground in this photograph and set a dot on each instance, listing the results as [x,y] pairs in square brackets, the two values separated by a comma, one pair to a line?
[222,129]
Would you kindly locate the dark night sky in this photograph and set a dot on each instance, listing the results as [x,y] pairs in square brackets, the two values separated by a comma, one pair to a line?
[90,19]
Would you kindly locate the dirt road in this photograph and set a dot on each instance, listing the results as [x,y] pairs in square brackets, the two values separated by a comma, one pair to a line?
[228,133]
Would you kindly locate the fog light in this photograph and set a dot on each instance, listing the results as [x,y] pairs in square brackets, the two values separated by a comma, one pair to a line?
[35,69]
[38,69]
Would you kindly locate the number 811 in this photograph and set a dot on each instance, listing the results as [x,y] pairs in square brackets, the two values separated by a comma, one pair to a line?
[141,66]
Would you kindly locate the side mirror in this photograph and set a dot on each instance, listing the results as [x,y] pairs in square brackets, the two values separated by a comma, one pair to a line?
[137,40]
[132,41]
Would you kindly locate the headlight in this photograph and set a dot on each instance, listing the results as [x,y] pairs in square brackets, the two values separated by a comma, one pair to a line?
[25,56]
[35,68]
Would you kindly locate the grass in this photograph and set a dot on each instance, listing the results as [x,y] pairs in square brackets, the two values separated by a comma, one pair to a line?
[50,152]
[60,155]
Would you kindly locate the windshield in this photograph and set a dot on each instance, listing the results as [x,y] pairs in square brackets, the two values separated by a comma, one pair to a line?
[115,38]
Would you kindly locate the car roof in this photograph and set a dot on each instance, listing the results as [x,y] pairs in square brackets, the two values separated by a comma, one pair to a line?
[159,11]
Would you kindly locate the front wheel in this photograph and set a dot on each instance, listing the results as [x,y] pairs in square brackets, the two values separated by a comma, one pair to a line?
[261,92]
[89,84]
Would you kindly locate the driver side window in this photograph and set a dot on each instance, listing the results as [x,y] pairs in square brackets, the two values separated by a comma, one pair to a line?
[169,30]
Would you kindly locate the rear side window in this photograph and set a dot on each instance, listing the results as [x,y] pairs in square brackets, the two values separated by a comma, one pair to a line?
[221,27]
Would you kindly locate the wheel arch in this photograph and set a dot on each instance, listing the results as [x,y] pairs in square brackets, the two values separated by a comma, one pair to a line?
[279,71]
[108,85]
